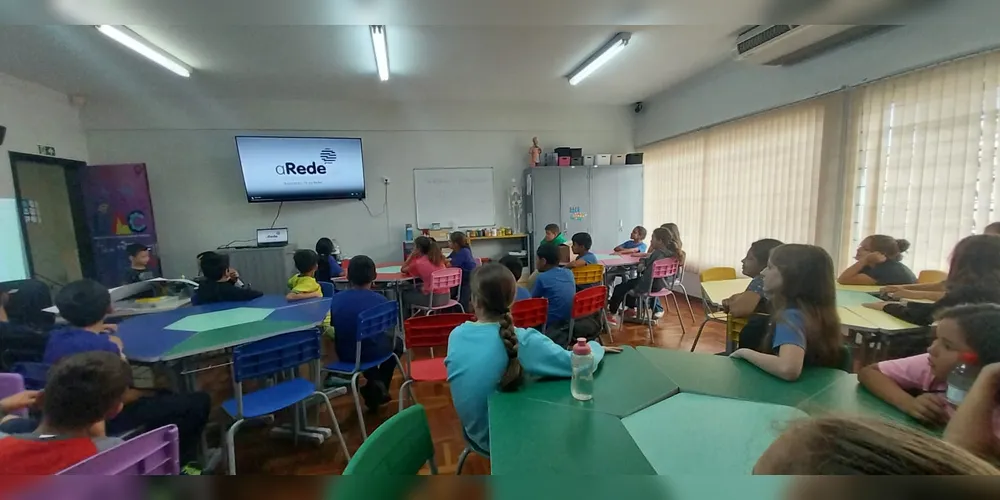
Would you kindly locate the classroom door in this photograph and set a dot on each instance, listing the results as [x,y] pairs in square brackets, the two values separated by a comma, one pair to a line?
[119,212]
[574,194]
[605,221]
[544,199]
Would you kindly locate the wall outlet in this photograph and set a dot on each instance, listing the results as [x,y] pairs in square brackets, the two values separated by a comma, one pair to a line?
[385,180]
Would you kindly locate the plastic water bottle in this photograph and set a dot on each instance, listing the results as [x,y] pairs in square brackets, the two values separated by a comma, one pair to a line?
[409,232]
[961,378]
[582,385]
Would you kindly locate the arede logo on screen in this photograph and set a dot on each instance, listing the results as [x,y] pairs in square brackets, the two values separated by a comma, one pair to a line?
[327,155]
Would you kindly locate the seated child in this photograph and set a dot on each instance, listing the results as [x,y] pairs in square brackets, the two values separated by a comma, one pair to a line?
[83,390]
[513,263]
[329,268]
[553,236]
[84,305]
[234,275]
[461,257]
[13,424]
[879,263]
[220,283]
[304,285]
[425,259]
[916,384]
[752,300]
[554,283]
[491,354]
[581,247]
[635,243]
[843,446]
[661,249]
[345,308]
[805,326]
[138,258]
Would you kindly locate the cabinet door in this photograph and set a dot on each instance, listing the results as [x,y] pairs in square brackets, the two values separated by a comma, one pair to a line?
[630,200]
[575,200]
[605,221]
[544,203]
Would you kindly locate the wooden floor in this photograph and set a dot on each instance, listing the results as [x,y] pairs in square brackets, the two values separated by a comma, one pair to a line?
[257,453]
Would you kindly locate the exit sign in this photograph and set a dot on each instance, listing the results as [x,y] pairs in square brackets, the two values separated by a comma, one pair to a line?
[46,150]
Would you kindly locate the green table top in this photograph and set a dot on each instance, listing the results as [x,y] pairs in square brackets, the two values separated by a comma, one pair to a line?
[848,298]
[623,384]
[390,269]
[845,397]
[697,434]
[736,378]
[703,486]
[229,336]
[541,438]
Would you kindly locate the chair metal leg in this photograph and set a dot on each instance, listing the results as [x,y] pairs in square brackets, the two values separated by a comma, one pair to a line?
[433,466]
[697,337]
[461,460]
[231,445]
[357,406]
[677,306]
[402,390]
[688,299]
[336,425]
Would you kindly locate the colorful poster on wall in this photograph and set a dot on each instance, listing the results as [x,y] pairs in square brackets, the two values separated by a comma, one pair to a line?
[119,212]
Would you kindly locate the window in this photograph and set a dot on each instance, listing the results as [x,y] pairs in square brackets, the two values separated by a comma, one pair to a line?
[924,158]
[732,184]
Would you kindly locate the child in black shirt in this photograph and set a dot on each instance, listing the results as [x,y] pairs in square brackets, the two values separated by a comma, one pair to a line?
[218,285]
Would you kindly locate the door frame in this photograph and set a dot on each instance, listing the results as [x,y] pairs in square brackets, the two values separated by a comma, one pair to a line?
[71,169]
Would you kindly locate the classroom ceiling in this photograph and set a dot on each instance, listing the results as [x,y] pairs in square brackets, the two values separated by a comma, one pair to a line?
[439,50]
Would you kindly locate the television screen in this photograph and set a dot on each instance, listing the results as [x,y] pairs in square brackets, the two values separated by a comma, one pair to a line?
[301,168]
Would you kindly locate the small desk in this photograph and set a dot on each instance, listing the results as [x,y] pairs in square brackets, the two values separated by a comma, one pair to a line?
[541,439]
[845,395]
[735,378]
[698,435]
[623,384]
[191,331]
[717,291]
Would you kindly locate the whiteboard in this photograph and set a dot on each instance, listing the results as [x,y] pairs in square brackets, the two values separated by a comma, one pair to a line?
[454,197]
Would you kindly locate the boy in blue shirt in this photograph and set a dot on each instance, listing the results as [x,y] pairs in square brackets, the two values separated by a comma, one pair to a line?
[344,309]
[514,264]
[84,304]
[581,247]
[555,284]
[635,243]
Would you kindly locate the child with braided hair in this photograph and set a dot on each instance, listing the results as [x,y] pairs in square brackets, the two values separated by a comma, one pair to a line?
[491,353]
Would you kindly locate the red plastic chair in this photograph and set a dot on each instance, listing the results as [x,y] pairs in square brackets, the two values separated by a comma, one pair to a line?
[668,270]
[428,332]
[530,313]
[442,278]
[589,302]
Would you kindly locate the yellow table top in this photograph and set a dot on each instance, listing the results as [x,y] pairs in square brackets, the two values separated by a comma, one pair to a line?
[717,291]
[883,321]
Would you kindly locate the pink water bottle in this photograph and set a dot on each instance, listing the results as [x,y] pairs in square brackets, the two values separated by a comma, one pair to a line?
[582,385]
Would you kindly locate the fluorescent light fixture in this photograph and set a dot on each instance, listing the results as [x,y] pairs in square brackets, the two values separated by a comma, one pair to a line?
[381,51]
[130,39]
[597,59]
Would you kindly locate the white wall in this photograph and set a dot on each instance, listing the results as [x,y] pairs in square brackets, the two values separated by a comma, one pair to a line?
[196,185]
[33,115]
[734,89]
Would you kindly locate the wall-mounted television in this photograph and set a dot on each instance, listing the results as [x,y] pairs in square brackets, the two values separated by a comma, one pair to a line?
[301,168]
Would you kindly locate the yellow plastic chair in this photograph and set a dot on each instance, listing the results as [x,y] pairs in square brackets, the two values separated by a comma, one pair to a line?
[711,313]
[591,274]
[931,276]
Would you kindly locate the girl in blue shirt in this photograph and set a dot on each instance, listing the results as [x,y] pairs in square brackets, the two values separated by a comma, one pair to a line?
[461,257]
[805,327]
[492,354]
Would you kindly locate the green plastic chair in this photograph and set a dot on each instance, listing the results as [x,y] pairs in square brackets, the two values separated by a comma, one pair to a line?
[398,447]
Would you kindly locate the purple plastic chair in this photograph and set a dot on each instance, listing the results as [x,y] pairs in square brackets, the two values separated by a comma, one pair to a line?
[154,453]
[10,384]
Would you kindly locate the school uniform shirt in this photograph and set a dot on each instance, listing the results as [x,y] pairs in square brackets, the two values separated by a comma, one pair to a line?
[463,259]
[789,329]
[477,359]
[306,284]
[137,275]
[890,272]
[72,340]
[558,286]
[421,267]
[757,285]
[46,454]
[344,309]
[558,240]
[328,269]
[521,293]
[628,245]
[588,257]
[914,374]
[211,292]
[646,272]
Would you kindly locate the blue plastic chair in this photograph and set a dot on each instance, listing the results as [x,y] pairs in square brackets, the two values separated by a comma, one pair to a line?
[267,359]
[34,374]
[372,323]
[327,288]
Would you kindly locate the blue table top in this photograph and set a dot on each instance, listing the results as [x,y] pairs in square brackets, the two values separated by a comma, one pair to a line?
[147,338]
